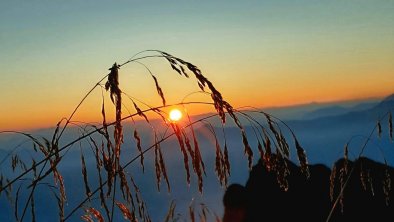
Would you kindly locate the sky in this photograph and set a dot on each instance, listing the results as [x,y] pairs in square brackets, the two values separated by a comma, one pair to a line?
[260,53]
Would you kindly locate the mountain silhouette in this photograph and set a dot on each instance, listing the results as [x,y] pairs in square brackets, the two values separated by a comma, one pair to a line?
[387,103]
[309,199]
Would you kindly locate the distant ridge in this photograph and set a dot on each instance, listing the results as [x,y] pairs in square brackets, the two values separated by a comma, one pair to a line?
[387,104]
[388,99]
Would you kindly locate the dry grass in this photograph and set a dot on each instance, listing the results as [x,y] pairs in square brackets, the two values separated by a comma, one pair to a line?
[112,173]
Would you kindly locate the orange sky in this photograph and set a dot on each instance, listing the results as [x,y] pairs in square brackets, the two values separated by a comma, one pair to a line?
[262,54]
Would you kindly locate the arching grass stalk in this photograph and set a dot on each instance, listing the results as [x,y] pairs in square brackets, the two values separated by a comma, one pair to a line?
[108,157]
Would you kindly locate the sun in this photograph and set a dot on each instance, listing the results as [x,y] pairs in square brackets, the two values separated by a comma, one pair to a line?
[175,115]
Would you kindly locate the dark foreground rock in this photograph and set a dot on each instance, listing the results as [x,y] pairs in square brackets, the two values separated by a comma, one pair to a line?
[309,200]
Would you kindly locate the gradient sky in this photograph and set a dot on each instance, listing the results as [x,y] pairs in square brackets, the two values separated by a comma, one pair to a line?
[260,53]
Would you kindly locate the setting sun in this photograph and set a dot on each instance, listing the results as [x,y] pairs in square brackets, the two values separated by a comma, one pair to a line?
[175,115]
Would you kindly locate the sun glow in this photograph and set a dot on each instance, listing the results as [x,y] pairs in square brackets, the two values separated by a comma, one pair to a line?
[175,115]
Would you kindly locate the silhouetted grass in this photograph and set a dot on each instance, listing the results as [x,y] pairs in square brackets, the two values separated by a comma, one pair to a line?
[272,145]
